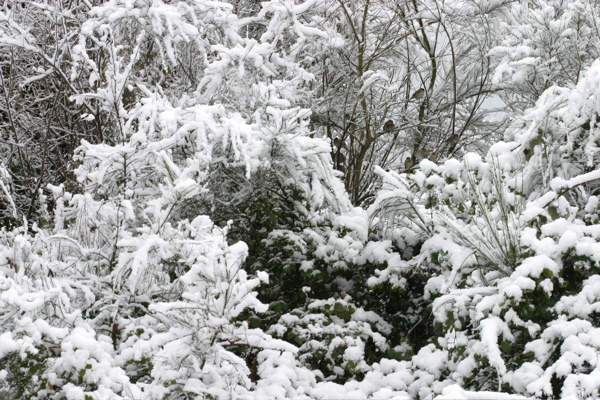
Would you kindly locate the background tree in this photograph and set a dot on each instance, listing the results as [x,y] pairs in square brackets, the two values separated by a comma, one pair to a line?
[405,81]
[542,44]
[39,126]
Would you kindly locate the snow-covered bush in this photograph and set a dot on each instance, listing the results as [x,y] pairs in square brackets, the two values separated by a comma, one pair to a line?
[542,43]
[513,242]
[325,299]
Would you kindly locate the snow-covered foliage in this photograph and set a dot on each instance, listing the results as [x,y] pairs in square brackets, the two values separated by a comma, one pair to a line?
[542,43]
[514,240]
[174,227]
[147,313]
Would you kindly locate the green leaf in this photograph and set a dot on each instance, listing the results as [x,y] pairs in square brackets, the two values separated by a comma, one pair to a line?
[278,307]
[255,322]
[553,211]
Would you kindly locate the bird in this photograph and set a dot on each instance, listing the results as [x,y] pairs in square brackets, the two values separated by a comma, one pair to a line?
[451,143]
[350,124]
[420,155]
[409,162]
[419,94]
[389,126]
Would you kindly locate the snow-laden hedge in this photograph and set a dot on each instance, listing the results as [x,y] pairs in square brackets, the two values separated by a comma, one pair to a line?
[514,239]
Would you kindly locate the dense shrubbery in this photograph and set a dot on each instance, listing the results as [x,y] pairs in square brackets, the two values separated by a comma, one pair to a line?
[198,242]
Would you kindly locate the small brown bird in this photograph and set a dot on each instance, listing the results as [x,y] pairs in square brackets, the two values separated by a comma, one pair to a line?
[451,143]
[420,155]
[389,126]
[419,94]
[350,124]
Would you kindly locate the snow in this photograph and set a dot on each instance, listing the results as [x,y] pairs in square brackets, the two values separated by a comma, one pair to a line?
[559,184]
[455,392]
